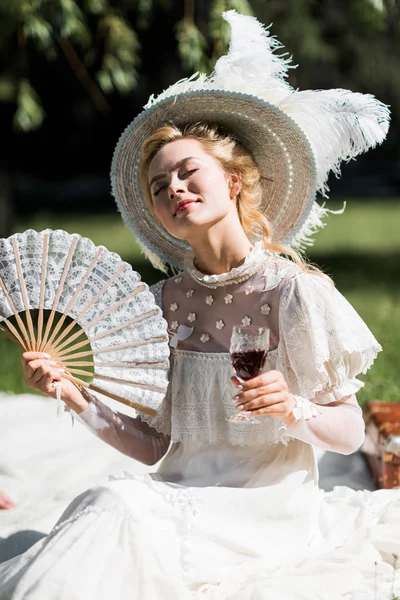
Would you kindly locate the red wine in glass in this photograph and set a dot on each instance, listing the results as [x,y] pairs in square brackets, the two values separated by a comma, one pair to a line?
[248,349]
[248,363]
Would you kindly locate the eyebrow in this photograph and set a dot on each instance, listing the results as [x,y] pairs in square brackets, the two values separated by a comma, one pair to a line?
[175,166]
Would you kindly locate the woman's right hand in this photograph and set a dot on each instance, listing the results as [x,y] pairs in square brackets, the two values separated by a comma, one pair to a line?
[41,373]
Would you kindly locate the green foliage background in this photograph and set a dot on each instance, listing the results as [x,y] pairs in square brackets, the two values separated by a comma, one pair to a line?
[353,44]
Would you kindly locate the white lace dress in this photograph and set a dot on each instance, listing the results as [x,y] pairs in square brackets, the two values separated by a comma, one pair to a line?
[234,510]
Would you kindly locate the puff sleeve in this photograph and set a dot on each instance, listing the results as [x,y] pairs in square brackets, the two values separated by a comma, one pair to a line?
[323,345]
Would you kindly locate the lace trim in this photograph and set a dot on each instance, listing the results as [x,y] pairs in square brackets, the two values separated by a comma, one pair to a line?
[202,392]
[253,262]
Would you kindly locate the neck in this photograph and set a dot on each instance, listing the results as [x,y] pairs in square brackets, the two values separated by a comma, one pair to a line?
[218,252]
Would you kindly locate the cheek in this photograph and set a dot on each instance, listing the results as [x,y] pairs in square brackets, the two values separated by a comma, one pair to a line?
[214,184]
[162,213]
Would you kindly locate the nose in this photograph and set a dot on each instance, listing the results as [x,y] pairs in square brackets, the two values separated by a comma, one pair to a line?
[175,188]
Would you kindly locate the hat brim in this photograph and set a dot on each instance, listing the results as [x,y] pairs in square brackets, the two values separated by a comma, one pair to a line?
[277,144]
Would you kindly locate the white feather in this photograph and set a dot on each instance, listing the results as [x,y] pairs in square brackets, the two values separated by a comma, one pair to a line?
[251,66]
[315,221]
[153,258]
[339,125]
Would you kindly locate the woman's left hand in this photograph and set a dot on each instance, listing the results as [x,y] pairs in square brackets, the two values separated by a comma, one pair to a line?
[266,394]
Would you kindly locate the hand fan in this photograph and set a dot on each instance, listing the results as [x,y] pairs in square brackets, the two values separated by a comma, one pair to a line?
[89,310]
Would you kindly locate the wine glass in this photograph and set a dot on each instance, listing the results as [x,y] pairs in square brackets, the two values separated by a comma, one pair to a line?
[248,349]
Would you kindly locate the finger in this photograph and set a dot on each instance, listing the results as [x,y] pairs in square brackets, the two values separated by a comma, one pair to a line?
[265,390]
[32,366]
[236,381]
[28,356]
[263,379]
[44,378]
[267,411]
[261,402]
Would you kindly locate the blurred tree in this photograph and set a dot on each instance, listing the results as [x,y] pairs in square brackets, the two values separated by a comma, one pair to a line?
[99,39]
[347,42]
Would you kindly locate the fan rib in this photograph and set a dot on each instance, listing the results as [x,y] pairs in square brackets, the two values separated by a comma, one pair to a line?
[58,294]
[112,308]
[134,344]
[74,297]
[15,334]
[130,365]
[66,331]
[144,386]
[73,356]
[95,388]
[42,288]
[118,347]
[12,337]
[126,324]
[16,315]
[31,340]
[71,348]
[133,365]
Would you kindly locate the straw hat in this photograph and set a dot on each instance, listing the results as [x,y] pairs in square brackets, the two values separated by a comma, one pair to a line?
[296,138]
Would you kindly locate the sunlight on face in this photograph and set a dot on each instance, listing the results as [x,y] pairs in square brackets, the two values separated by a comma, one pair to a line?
[189,188]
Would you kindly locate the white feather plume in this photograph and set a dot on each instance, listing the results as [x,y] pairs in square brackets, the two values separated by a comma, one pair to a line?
[251,65]
[339,125]
[315,221]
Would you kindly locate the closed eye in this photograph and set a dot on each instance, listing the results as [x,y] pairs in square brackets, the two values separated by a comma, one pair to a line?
[190,172]
[186,174]
[159,190]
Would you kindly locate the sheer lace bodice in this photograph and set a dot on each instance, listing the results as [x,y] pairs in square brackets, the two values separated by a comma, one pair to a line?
[317,341]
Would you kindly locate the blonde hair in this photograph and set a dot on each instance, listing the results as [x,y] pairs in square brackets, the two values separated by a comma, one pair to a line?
[233,157]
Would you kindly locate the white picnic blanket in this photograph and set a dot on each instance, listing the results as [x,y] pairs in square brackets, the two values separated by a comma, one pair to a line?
[45,463]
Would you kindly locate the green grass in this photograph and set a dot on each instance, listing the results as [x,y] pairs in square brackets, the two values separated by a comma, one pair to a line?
[360,250]
[364,226]
[106,230]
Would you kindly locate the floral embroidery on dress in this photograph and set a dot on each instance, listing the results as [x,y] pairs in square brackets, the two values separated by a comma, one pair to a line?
[178,280]
[246,321]
[204,337]
[191,317]
[249,290]
[173,307]
[265,309]
[174,325]
[188,500]
[228,299]
[189,293]
[209,300]
[220,324]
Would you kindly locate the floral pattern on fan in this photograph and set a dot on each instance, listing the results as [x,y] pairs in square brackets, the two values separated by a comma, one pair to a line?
[61,294]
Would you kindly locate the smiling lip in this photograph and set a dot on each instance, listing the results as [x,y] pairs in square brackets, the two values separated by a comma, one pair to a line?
[182,205]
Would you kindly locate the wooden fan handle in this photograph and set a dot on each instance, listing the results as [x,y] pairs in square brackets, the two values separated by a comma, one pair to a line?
[94,388]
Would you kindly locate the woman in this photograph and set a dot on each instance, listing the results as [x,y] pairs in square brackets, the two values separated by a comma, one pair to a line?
[234,510]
